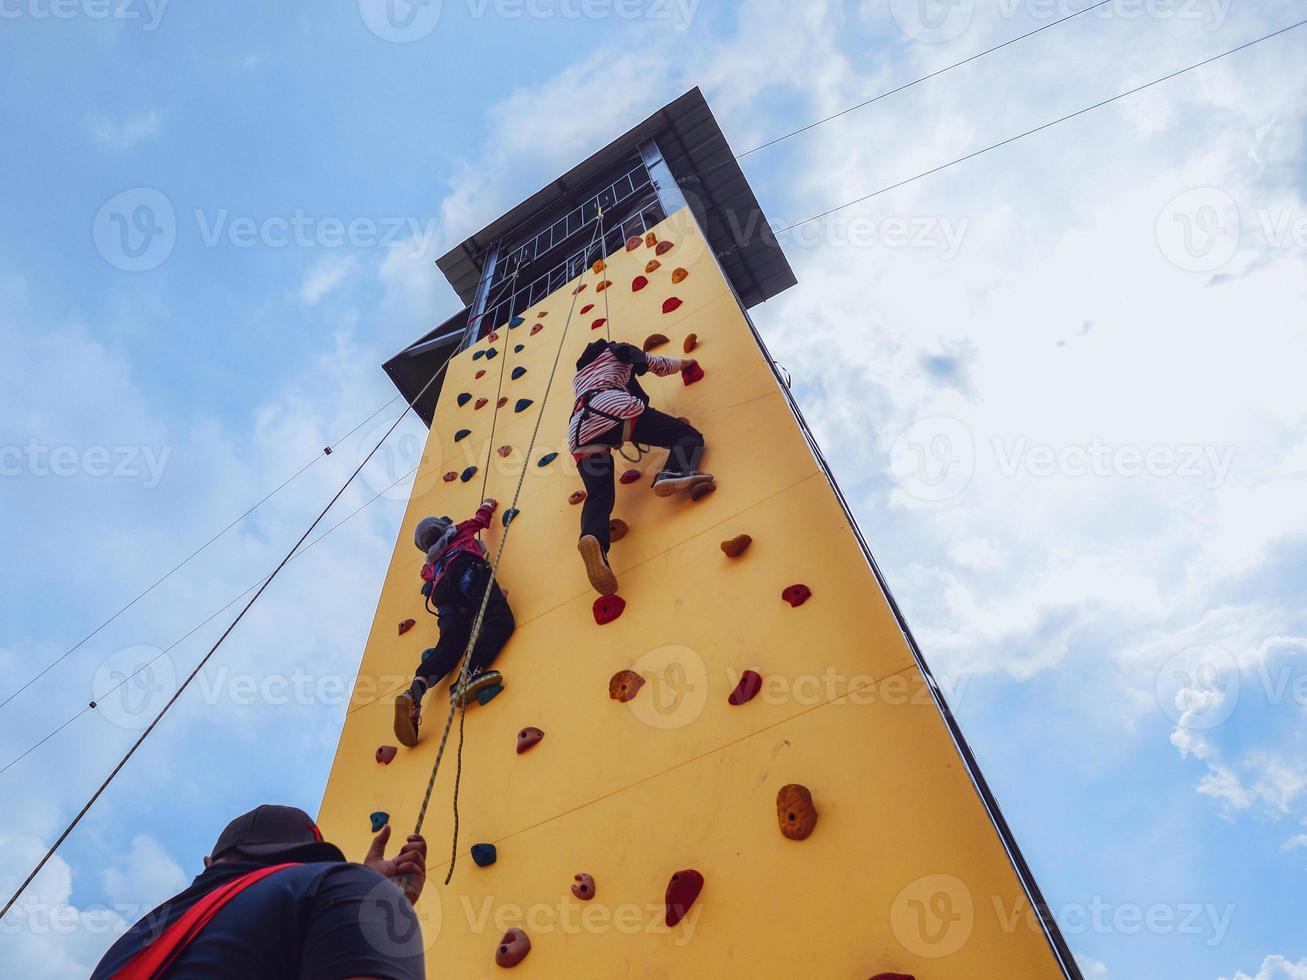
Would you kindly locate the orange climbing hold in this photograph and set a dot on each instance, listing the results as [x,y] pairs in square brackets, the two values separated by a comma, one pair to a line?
[584,889]
[528,738]
[599,266]
[407,625]
[795,812]
[747,689]
[386,754]
[672,305]
[691,342]
[512,948]
[652,266]
[679,276]
[617,529]
[576,497]
[638,283]
[654,341]
[578,290]
[682,891]
[797,595]
[633,243]
[607,608]
[737,546]
[630,476]
[603,285]
[625,685]
[650,240]
[663,248]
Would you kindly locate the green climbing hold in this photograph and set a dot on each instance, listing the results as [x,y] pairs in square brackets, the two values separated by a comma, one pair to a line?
[462,434]
[463,399]
[516,322]
[468,473]
[379,819]
[547,459]
[523,404]
[510,515]
[518,372]
[491,354]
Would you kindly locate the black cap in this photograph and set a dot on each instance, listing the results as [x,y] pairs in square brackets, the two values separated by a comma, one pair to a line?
[272,831]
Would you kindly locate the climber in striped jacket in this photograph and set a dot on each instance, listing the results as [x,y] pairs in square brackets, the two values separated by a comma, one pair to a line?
[611,409]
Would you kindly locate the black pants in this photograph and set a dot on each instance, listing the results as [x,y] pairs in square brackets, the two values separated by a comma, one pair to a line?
[652,428]
[456,630]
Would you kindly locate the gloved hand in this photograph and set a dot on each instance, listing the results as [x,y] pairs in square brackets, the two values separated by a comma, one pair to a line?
[490,502]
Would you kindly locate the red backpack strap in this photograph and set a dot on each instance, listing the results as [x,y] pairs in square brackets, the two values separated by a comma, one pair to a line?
[155,958]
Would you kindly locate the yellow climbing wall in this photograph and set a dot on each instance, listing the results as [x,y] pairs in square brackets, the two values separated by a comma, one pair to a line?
[904,871]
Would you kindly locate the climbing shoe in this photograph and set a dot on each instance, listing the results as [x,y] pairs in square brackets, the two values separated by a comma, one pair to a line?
[669,482]
[475,685]
[408,716]
[596,565]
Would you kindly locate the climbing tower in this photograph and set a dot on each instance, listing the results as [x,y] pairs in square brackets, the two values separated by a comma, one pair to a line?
[751,747]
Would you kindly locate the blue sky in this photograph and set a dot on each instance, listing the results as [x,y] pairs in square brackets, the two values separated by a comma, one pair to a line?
[1061,385]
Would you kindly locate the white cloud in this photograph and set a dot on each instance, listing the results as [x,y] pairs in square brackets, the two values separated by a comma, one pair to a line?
[145,876]
[1275,968]
[125,132]
[326,276]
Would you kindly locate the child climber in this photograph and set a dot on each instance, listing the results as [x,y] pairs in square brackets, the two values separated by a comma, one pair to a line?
[458,572]
[611,409]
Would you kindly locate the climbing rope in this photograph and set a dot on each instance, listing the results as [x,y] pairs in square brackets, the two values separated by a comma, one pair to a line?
[640,450]
[499,390]
[459,704]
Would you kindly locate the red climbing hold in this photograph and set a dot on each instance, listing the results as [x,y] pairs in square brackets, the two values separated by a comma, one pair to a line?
[633,243]
[691,373]
[653,342]
[607,608]
[737,546]
[579,289]
[386,754]
[407,625]
[748,688]
[630,476]
[493,336]
[576,497]
[638,283]
[481,403]
[663,248]
[598,324]
[512,948]
[503,401]
[795,813]
[617,529]
[584,889]
[893,976]
[587,308]
[682,891]
[672,305]
[450,477]
[701,490]
[505,451]
[625,685]
[797,595]
[528,738]
[537,328]
[481,374]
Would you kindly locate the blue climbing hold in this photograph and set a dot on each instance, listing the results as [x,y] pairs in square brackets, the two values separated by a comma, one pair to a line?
[484,855]
[547,459]
[477,355]
[518,372]
[516,322]
[426,589]
[463,399]
[491,354]
[519,348]
[522,404]
[462,434]
[379,819]
[490,693]
[510,515]
[468,473]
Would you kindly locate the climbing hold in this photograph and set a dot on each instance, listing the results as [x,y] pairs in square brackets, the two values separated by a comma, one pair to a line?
[518,348]
[893,976]
[625,685]
[679,276]
[502,402]
[379,819]
[747,689]
[683,420]
[492,353]
[638,283]
[587,308]
[464,398]
[478,354]
[691,373]
[386,754]
[462,434]
[516,322]
[579,289]
[407,625]
[505,451]
[468,473]
[794,811]
[633,243]
[480,374]
[598,324]
[492,336]
[429,650]
[617,529]
[576,497]
[528,738]
[737,546]
[650,240]
[517,372]
[672,305]
[653,266]
[510,515]
[701,490]
[522,404]
[797,595]
[663,248]
[691,342]
[653,342]
[682,890]
[494,690]
[481,403]
[599,266]
[512,948]
[607,608]
[547,458]
[603,285]
[630,476]
[584,889]
[451,476]
[484,855]
[542,313]
[537,328]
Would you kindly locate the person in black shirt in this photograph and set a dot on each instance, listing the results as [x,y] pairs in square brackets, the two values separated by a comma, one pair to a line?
[307,912]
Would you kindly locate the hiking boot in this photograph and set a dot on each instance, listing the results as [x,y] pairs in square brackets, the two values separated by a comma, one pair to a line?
[408,716]
[475,685]
[596,565]
[670,482]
